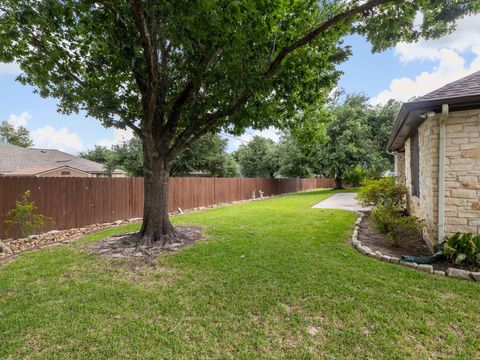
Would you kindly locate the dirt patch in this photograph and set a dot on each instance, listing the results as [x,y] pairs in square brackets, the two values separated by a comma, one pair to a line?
[369,237]
[125,246]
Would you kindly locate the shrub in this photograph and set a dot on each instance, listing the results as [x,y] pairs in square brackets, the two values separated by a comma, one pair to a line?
[382,192]
[356,176]
[22,219]
[463,248]
[397,227]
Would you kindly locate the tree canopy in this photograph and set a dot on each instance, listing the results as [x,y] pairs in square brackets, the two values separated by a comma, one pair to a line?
[205,157]
[19,136]
[175,70]
[258,158]
[202,65]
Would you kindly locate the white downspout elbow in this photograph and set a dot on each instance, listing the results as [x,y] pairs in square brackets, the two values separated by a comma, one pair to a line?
[441,173]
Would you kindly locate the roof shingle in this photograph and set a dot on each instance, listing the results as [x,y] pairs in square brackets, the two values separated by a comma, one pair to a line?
[13,158]
[467,86]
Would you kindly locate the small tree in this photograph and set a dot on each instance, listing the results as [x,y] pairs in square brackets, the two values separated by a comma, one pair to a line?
[22,219]
[16,136]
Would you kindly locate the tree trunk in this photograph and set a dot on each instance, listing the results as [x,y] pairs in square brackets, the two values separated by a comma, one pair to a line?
[338,182]
[156,227]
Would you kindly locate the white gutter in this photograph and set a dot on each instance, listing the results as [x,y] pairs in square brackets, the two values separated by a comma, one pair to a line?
[441,173]
[395,163]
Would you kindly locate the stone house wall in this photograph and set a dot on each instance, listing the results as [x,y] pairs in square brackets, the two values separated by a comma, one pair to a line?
[400,166]
[426,205]
[462,172]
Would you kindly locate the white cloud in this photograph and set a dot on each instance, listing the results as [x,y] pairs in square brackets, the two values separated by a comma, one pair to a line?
[119,136]
[447,54]
[9,68]
[50,138]
[19,120]
[465,38]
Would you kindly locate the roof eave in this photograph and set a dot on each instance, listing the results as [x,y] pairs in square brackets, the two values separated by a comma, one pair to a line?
[409,115]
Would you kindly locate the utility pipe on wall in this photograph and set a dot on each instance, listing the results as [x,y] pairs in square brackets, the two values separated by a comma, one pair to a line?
[441,173]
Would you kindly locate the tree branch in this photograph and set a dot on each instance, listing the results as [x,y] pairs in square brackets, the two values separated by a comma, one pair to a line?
[146,40]
[185,95]
[127,48]
[209,120]
[42,48]
[369,5]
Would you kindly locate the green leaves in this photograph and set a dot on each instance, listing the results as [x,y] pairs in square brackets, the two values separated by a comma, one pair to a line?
[374,192]
[19,136]
[22,220]
[463,248]
[258,158]
[213,62]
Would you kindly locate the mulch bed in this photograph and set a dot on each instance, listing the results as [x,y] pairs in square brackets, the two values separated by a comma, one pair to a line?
[125,245]
[368,236]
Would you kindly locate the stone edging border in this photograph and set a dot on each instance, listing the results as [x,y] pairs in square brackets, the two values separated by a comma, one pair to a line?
[451,272]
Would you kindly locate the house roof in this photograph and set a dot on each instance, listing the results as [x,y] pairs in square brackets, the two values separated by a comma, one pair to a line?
[13,158]
[42,170]
[462,94]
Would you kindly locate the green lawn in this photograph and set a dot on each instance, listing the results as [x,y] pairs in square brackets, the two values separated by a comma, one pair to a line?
[275,279]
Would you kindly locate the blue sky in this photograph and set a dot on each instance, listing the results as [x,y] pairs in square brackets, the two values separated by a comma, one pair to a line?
[403,72]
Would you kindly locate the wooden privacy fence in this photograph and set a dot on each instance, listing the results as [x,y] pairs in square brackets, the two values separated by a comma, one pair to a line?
[75,202]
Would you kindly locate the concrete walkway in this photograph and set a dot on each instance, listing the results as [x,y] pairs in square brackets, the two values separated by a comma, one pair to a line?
[342,201]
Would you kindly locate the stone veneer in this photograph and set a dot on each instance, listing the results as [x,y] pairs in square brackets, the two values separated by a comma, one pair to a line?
[462,171]
[426,206]
[400,166]
[462,174]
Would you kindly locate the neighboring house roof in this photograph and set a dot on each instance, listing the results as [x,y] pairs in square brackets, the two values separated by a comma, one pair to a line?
[42,170]
[462,94]
[13,158]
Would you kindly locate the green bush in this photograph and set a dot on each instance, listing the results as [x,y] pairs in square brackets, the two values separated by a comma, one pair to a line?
[398,228]
[356,176]
[382,191]
[463,248]
[389,216]
[22,220]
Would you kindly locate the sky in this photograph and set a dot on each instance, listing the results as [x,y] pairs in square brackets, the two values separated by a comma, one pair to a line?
[403,72]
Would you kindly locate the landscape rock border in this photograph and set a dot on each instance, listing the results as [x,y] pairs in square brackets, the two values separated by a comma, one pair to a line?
[55,237]
[11,248]
[450,272]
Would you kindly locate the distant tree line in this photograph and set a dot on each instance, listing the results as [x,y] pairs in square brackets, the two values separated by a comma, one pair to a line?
[346,141]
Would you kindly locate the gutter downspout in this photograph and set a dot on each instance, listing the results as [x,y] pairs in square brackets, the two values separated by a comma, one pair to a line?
[441,173]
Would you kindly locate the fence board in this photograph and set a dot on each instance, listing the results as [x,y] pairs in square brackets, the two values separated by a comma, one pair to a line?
[75,202]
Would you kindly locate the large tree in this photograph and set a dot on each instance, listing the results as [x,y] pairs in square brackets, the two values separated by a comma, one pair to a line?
[207,156]
[346,145]
[19,136]
[296,159]
[258,158]
[175,70]
[379,121]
